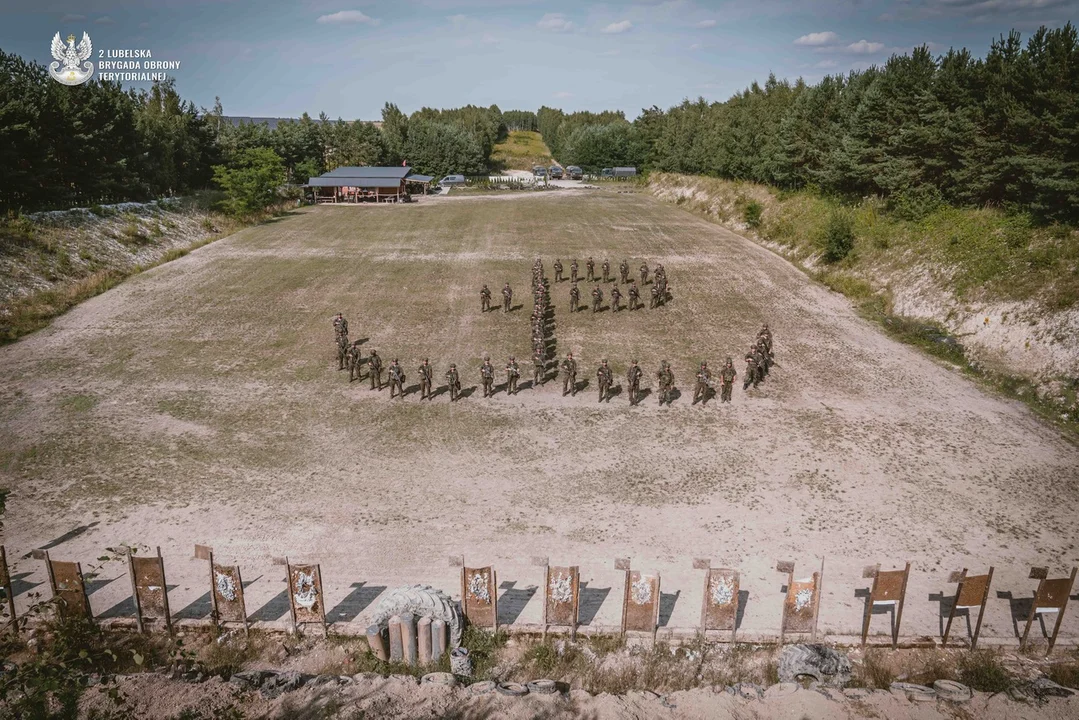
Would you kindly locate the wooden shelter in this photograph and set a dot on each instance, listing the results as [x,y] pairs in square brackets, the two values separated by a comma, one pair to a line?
[367,184]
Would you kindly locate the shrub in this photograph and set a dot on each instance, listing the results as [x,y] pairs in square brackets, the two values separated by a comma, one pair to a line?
[916,203]
[983,671]
[752,214]
[838,236]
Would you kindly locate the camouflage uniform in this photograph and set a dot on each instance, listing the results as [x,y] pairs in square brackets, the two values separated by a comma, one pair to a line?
[591,267]
[485,299]
[655,297]
[762,350]
[606,270]
[507,298]
[354,361]
[597,299]
[623,270]
[558,271]
[727,376]
[762,370]
[704,378]
[644,274]
[666,383]
[342,351]
[426,372]
[574,298]
[539,369]
[374,369]
[513,373]
[573,271]
[634,296]
[397,380]
[569,375]
[340,326]
[487,374]
[604,378]
[615,297]
[633,382]
[453,380]
[751,371]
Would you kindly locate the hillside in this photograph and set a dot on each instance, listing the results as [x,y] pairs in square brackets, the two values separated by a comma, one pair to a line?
[521,150]
[987,290]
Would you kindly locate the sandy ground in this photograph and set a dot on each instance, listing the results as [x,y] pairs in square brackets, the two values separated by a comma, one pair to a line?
[200,403]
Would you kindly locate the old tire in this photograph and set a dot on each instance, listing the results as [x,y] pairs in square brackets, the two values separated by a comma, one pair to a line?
[820,662]
[542,687]
[512,689]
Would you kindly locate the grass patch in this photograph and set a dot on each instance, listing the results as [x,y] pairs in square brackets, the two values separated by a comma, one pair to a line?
[1065,673]
[875,671]
[521,150]
[78,403]
[984,671]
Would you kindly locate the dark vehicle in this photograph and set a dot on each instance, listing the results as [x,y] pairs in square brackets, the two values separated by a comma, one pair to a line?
[556,172]
[625,172]
[574,172]
[539,171]
[606,172]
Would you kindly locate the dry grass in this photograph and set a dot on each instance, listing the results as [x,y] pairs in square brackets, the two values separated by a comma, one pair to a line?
[521,150]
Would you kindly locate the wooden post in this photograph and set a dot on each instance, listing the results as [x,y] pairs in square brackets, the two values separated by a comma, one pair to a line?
[396,646]
[5,580]
[322,601]
[546,590]
[820,592]
[376,643]
[494,596]
[655,615]
[981,611]
[164,591]
[288,589]
[134,591]
[423,636]
[899,610]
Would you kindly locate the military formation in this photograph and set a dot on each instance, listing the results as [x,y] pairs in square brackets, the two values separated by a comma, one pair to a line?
[759,357]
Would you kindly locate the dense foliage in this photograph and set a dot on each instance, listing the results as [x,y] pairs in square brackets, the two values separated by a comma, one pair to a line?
[520,120]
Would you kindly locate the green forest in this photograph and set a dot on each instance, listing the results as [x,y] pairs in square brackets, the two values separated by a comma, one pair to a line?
[919,131]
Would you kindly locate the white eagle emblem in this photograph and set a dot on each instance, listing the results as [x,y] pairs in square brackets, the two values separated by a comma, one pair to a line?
[68,57]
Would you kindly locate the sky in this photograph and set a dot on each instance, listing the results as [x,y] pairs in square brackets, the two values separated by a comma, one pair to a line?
[275,58]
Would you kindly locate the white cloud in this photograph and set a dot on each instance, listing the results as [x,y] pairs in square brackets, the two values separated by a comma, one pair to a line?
[562,95]
[104,20]
[72,18]
[609,53]
[824,64]
[555,22]
[457,20]
[618,27]
[817,39]
[695,46]
[346,17]
[706,24]
[864,47]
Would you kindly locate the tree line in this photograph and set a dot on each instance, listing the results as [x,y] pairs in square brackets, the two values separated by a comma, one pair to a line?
[920,130]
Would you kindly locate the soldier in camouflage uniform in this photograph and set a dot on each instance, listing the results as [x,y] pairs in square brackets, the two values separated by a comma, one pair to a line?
[606,270]
[574,298]
[704,384]
[539,369]
[374,369]
[762,351]
[597,299]
[634,297]
[666,383]
[727,376]
[569,375]
[353,360]
[590,266]
[623,270]
[513,374]
[487,375]
[342,351]
[604,378]
[485,299]
[633,382]
[397,380]
[558,271]
[644,274]
[616,295]
[340,326]
[507,298]
[762,370]
[752,371]
[426,373]
[654,303]
[573,271]
[453,381]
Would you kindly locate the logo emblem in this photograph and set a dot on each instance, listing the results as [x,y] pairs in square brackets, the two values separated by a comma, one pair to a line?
[66,69]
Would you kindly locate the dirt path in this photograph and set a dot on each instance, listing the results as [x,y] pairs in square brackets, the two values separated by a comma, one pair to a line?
[200,402]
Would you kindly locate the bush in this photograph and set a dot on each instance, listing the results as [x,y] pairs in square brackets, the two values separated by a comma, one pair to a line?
[838,236]
[916,203]
[250,181]
[752,214]
[983,671]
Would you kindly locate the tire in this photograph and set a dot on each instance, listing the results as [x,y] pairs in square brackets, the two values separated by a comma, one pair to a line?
[512,689]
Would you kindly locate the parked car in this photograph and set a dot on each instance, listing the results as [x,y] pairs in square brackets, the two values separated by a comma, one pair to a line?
[556,172]
[606,172]
[539,171]
[574,172]
[452,180]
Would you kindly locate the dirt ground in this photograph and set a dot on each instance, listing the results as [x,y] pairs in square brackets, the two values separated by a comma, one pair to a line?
[200,402]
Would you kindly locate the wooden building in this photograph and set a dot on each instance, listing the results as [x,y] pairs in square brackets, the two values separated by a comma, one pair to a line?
[367,184]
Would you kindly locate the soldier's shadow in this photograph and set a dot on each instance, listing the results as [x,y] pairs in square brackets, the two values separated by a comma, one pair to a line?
[467,392]
[675,394]
[411,389]
[644,393]
[441,390]
[615,391]
[515,308]
[581,386]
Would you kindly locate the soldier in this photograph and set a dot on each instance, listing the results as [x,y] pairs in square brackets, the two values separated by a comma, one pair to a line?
[342,351]
[426,371]
[604,378]
[654,303]
[487,374]
[762,368]
[762,350]
[606,270]
[558,271]
[591,267]
[574,297]
[634,296]
[513,373]
[615,297]
[633,382]
[340,326]
[704,384]
[751,370]
[666,382]
[539,369]
[573,271]
[623,270]
[644,274]
[397,380]
[454,382]
[374,369]
[727,375]
[569,375]
[353,361]
[485,299]
[507,298]
[597,299]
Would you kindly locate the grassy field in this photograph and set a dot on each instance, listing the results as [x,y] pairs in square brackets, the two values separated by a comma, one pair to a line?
[521,150]
[200,402]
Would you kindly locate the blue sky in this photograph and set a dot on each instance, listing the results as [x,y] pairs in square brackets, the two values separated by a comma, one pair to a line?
[348,57]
